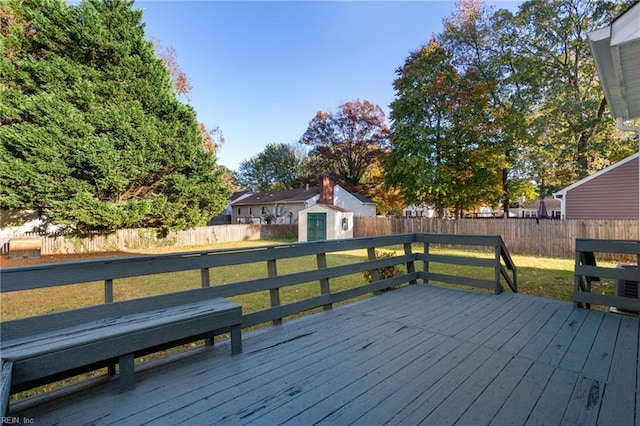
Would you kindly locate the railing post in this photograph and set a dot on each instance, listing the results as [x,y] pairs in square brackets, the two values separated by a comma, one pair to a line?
[411,266]
[205,280]
[205,277]
[375,274]
[425,264]
[108,290]
[325,287]
[108,298]
[274,293]
[496,268]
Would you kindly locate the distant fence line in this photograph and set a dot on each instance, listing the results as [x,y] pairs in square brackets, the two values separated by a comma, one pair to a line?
[552,238]
[132,239]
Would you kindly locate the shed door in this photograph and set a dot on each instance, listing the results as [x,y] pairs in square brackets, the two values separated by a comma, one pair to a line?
[316,226]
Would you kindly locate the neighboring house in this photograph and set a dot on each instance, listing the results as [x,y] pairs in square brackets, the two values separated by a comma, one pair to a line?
[532,209]
[284,206]
[225,216]
[611,193]
[418,211]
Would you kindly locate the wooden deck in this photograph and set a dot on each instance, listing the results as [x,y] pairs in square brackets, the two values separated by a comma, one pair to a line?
[422,354]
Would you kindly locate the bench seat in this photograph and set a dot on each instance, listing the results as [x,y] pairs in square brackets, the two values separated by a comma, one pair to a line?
[116,332]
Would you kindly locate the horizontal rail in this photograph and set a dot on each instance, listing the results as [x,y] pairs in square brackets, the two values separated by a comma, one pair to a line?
[457,279]
[503,267]
[111,269]
[587,271]
[608,246]
[83,271]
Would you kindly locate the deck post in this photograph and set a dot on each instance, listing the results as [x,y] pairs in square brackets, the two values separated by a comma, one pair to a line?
[205,277]
[496,268]
[411,266]
[375,274]
[325,287]
[425,264]
[108,290]
[274,293]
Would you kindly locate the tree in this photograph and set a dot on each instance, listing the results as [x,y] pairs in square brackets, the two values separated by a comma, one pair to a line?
[442,149]
[346,143]
[212,137]
[553,126]
[275,168]
[91,131]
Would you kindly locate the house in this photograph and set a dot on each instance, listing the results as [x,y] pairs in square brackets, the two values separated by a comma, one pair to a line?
[532,209]
[611,193]
[284,206]
[225,217]
[421,210]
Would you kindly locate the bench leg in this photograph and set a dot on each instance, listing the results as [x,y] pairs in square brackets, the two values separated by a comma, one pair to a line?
[236,340]
[127,378]
[5,390]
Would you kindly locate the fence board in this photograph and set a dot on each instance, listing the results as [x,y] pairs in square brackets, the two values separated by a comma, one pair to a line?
[132,239]
[552,238]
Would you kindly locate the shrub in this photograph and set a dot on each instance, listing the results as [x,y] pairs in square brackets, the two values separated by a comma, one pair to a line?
[386,272]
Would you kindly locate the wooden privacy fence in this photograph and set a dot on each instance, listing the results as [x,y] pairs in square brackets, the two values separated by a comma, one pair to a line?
[132,239]
[552,238]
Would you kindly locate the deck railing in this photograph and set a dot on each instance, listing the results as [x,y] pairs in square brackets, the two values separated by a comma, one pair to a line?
[111,269]
[587,271]
[503,265]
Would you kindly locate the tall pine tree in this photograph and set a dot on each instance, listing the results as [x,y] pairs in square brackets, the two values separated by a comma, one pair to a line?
[91,130]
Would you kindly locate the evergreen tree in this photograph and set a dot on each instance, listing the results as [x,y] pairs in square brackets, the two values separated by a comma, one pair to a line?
[91,130]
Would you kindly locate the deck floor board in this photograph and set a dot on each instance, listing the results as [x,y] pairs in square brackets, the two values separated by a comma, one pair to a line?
[423,354]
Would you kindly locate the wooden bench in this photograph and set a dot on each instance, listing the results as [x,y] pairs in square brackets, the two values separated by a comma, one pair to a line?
[42,349]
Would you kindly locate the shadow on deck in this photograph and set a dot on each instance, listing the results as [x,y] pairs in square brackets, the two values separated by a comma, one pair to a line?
[421,354]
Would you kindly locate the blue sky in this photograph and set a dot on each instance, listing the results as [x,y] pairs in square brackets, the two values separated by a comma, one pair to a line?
[261,70]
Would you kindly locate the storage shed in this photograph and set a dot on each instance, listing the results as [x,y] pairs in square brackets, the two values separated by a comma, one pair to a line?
[324,222]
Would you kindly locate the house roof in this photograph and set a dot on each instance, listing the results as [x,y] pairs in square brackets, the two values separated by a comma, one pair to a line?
[286,196]
[616,52]
[289,196]
[563,192]
[237,195]
[362,198]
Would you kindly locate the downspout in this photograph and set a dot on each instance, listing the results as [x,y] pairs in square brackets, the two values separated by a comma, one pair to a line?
[626,127]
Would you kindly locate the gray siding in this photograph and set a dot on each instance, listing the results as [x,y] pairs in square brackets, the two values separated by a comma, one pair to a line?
[612,195]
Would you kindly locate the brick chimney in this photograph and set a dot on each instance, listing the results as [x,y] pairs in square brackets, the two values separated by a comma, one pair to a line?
[326,191]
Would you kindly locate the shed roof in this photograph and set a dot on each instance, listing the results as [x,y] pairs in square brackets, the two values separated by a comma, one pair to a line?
[328,207]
